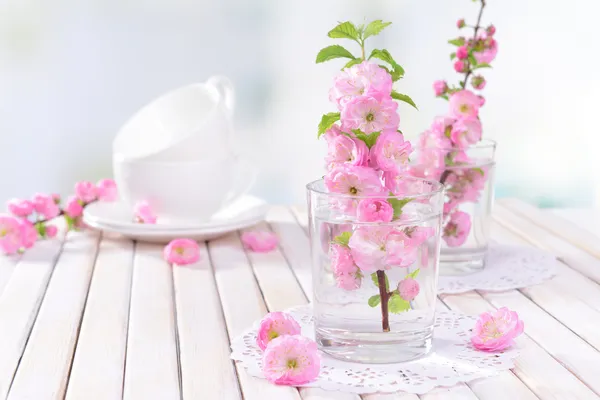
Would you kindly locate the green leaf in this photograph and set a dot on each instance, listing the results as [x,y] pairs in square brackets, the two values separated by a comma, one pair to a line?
[457,42]
[445,97]
[332,52]
[414,273]
[343,238]
[375,28]
[397,304]
[70,222]
[404,98]
[397,71]
[480,171]
[352,62]
[41,229]
[375,280]
[345,30]
[482,65]
[374,300]
[398,204]
[326,121]
[369,139]
[472,61]
[452,55]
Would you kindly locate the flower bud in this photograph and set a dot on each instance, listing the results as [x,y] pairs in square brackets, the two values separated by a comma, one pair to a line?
[462,53]
[459,66]
[490,30]
[478,82]
[460,23]
[440,87]
[481,101]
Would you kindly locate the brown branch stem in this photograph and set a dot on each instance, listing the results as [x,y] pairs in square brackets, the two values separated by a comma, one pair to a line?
[384,295]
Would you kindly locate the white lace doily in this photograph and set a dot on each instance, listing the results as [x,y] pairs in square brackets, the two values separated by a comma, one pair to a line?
[452,360]
[507,267]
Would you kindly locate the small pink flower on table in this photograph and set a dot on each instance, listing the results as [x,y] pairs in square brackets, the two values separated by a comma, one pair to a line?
[291,360]
[45,205]
[11,234]
[464,104]
[370,114]
[260,241]
[457,229]
[86,191]
[107,190]
[496,331]
[143,213]
[374,210]
[182,252]
[274,325]
[20,208]
[73,207]
[408,288]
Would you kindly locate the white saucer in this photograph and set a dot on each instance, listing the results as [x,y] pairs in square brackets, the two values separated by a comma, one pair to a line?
[117,217]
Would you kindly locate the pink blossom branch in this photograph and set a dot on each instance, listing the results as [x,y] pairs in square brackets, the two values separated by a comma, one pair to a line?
[463,84]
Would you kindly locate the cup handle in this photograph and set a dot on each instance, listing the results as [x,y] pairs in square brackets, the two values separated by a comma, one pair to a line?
[245,178]
[225,88]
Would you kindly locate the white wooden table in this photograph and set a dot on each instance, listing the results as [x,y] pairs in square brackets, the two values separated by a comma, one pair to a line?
[96,317]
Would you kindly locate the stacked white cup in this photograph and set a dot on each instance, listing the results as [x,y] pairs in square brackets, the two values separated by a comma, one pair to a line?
[178,154]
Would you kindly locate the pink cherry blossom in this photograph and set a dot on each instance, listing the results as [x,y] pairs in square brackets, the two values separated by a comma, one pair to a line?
[496,331]
[462,52]
[390,152]
[478,82]
[107,190]
[366,78]
[143,213]
[86,191]
[457,229]
[490,30]
[400,250]
[346,150]
[466,132]
[374,210]
[481,101]
[51,231]
[274,325]
[353,181]
[408,288]
[460,66]
[346,272]
[73,207]
[45,206]
[56,197]
[460,23]
[440,87]
[419,234]
[182,252]
[349,281]
[11,237]
[368,247]
[29,234]
[441,127]
[20,208]
[331,133]
[370,114]
[464,104]
[488,54]
[260,241]
[291,360]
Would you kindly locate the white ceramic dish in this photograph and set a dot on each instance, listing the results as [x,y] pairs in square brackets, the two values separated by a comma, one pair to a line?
[116,218]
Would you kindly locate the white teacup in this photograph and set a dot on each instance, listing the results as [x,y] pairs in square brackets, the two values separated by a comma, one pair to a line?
[183,193]
[189,123]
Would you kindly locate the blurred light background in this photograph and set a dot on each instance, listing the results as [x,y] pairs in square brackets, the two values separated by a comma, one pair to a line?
[72,71]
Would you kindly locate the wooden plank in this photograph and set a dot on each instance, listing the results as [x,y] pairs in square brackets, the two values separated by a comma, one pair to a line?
[98,365]
[207,372]
[557,225]
[151,369]
[575,257]
[294,244]
[542,373]
[7,267]
[44,369]
[19,305]
[242,305]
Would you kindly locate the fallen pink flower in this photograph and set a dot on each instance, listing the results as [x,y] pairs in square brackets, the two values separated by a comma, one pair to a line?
[274,325]
[260,241]
[182,252]
[496,331]
[291,360]
[143,213]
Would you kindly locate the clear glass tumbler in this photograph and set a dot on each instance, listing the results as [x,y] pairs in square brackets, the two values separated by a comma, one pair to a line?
[468,175]
[375,283]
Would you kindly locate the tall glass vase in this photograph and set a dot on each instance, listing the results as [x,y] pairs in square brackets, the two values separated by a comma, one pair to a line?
[375,283]
[468,175]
